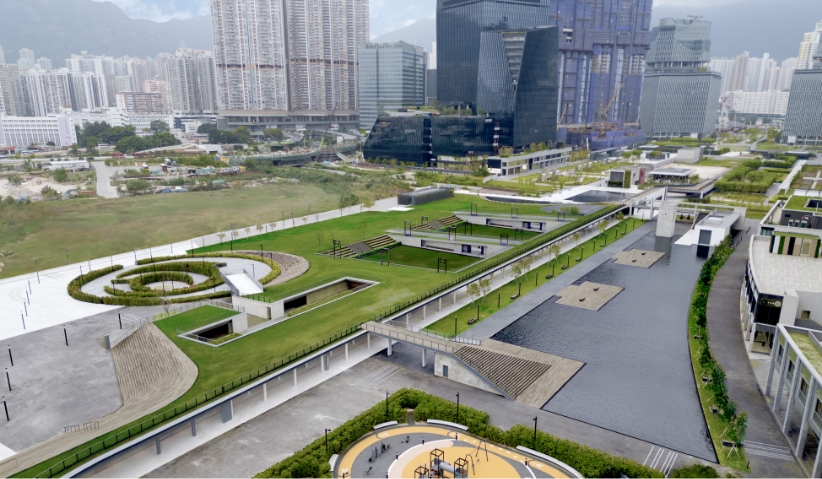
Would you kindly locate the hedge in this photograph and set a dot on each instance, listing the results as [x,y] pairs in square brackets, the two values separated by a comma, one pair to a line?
[142,298]
[312,461]
[696,470]
[167,272]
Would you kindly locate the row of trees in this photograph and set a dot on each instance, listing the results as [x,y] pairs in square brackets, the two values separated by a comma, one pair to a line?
[219,137]
[91,135]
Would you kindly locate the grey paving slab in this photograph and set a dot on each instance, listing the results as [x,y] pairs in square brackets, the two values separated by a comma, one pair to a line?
[502,319]
[729,350]
[637,378]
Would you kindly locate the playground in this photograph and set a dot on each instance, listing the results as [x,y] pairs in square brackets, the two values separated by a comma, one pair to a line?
[429,451]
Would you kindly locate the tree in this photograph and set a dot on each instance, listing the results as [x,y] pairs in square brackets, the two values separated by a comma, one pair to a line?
[15,179]
[485,286]
[603,228]
[207,128]
[739,428]
[521,270]
[242,135]
[60,175]
[577,237]
[137,186]
[221,235]
[320,239]
[554,251]
[131,144]
[474,291]
[49,192]
[50,143]
[259,229]
[250,163]
[158,126]
[74,150]
[275,134]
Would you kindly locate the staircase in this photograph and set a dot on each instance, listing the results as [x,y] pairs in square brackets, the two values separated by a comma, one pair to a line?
[510,373]
[440,224]
[362,248]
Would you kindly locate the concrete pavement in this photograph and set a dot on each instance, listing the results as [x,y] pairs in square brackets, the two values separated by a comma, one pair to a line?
[768,452]
[104,174]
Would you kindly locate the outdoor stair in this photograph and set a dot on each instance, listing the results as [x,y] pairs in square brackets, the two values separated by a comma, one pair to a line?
[437,225]
[359,247]
[510,373]
[380,242]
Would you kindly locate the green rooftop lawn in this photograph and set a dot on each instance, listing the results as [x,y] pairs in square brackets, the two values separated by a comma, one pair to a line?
[809,349]
[798,203]
[494,232]
[193,319]
[424,258]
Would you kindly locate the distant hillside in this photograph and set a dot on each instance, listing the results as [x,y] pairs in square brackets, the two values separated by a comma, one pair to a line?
[57,28]
[421,33]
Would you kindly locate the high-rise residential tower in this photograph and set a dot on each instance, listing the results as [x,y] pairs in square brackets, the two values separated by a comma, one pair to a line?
[11,90]
[280,58]
[680,96]
[2,55]
[809,47]
[192,79]
[392,76]
[26,60]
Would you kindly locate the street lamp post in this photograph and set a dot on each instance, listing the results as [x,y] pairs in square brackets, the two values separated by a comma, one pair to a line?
[386,404]
[326,439]
[458,407]
[535,433]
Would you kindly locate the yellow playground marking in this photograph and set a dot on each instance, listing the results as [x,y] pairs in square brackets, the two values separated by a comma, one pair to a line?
[498,464]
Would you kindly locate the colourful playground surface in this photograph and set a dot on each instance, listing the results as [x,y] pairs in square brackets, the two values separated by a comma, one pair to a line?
[423,451]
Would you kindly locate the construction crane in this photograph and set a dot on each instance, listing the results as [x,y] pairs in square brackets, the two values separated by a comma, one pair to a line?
[603,112]
[564,111]
[330,120]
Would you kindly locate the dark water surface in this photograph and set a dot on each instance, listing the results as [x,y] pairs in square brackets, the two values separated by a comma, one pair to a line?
[597,196]
[637,379]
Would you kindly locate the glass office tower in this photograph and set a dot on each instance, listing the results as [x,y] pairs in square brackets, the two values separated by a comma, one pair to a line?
[460,24]
[517,79]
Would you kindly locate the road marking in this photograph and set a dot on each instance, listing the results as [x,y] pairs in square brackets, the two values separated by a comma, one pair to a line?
[383,373]
[648,456]
[768,450]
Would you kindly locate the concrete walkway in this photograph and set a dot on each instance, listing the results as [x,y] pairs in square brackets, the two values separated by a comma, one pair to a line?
[768,452]
[104,174]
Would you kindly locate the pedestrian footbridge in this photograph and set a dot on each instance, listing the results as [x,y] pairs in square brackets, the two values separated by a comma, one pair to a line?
[525,375]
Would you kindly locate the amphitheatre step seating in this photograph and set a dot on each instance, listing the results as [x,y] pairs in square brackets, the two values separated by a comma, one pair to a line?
[440,224]
[379,242]
[528,376]
[512,374]
[363,247]
[359,247]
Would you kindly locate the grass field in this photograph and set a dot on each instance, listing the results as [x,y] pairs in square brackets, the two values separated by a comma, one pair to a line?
[219,366]
[99,228]
[424,258]
[499,299]
[193,319]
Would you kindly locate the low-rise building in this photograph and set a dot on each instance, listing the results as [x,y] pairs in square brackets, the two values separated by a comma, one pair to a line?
[528,162]
[22,131]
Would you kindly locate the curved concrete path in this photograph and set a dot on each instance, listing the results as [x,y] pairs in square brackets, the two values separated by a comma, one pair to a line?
[768,453]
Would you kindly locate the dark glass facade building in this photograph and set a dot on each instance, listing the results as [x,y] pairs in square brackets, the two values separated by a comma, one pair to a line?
[517,79]
[421,139]
[460,24]
[602,49]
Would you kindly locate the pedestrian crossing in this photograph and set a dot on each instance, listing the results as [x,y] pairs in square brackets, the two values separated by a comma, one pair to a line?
[383,373]
[768,450]
[661,459]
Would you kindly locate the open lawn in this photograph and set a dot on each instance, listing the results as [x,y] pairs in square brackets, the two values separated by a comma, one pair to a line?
[100,228]
[500,298]
[424,258]
[219,366]
[193,319]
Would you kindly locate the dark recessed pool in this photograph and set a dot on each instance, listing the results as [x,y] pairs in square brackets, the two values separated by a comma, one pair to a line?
[637,378]
[597,196]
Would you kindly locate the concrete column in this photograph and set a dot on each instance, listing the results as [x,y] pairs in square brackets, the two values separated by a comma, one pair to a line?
[265,392]
[295,377]
[157,442]
[440,307]
[455,297]
[797,373]
[193,428]
[806,418]
[424,310]
[423,357]
[786,359]
[408,321]
[346,351]
[389,347]
[368,338]
[817,464]
[774,351]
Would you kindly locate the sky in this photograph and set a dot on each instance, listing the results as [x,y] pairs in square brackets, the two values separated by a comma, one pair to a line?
[780,20]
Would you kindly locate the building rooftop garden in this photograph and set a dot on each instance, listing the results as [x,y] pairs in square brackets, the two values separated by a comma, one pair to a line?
[803,203]
[808,348]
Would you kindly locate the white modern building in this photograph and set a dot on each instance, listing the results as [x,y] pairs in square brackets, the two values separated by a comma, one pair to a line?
[116,117]
[281,61]
[774,103]
[808,48]
[23,131]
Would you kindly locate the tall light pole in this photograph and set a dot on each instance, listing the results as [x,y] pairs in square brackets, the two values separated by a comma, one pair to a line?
[326,439]
[458,407]
[535,433]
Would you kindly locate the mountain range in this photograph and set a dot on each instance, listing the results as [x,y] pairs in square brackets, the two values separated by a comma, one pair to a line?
[57,28]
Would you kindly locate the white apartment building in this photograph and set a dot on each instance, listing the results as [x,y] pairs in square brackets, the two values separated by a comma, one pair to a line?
[11,91]
[759,103]
[724,67]
[2,55]
[116,117]
[281,56]
[808,47]
[22,131]
[191,77]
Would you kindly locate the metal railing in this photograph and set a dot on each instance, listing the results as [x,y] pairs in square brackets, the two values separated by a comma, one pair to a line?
[408,338]
[448,337]
[89,426]
[136,430]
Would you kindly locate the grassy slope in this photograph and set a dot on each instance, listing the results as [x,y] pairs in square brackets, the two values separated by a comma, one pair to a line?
[193,319]
[421,258]
[100,227]
[218,366]
[534,278]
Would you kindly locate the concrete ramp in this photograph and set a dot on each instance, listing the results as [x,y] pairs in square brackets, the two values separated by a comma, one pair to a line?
[243,284]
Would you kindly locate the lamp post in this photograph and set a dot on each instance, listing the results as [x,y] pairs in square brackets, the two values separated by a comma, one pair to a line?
[458,407]
[535,433]
[326,439]
[386,404]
